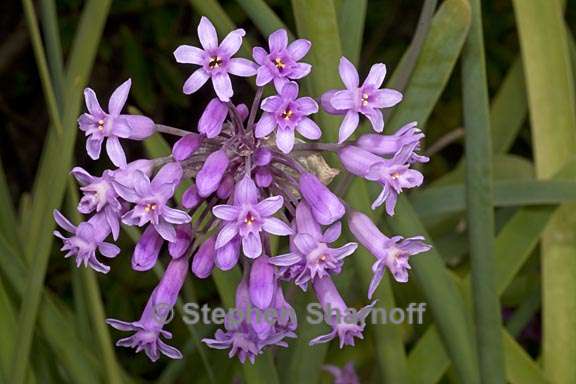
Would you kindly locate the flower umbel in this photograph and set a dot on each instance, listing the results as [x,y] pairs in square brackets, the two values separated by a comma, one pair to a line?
[226,190]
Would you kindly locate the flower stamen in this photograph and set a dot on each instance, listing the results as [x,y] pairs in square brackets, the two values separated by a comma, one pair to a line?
[215,62]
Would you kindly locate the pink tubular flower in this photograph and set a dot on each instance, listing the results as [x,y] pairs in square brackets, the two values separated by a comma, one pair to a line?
[216,61]
[248,217]
[151,198]
[281,64]
[287,113]
[366,99]
[86,238]
[99,125]
[391,253]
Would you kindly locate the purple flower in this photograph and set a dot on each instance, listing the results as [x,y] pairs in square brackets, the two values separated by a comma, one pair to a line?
[203,261]
[186,146]
[391,253]
[227,256]
[344,324]
[149,328]
[211,173]
[151,198]
[86,238]
[248,217]
[246,335]
[281,63]
[147,249]
[287,113]
[179,247]
[262,282]
[190,197]
[393,174]
[326,207]
[345,375]
[99,125]
[212,118]
[406,138]
[366,99]
[99,196]
[216,61]
[312,257]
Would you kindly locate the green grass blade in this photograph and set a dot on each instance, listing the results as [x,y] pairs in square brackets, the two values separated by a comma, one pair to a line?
[263,16]
[508,109]
[441,294]
[51,179]
[435,63]
[514,244]
[520,368]
[53,47]
[8,219]
[42,64]
[550,84]
[439,201]
[351,17]
[479,202]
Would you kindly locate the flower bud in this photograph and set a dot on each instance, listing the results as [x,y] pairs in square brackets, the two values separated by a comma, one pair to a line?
[326,206]
[186,146]
[147,250]
[210,175]
[203,261]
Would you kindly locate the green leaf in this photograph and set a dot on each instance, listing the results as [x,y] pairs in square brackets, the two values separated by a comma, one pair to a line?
[351,17]
[550,84]
[479,202]
[263,16]
[438,201]
[435,63]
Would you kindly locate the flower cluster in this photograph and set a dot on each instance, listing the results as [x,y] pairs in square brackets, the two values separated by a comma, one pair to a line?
[245,178]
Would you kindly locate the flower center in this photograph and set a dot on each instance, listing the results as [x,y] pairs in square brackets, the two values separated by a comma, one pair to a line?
[100,125]
[215,62]
[287,114]
[150,207]
[279,63]
[365,97]
[323,258]
[249,219]
[395,176]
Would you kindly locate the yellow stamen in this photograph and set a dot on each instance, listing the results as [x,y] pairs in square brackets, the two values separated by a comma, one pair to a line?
[278,63]
[287,114]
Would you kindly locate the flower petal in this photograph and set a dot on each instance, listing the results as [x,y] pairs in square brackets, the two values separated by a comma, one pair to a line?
[188,54]
[166,230]
[272,104]
[285,260]
[242,67]
[141,127]
[300,70]
[82,176]
[196,80]
[278,40]
[252,245]
[259,54]
[376,118]
[115,152]
[232,42]
[332,233]
[376,75]
[348,73]
[277,227]
[343,100]
[222,86]
[285,139]
[348,126]
[262,282]
[175,216]
[226,212]
[386,98]
[227,256]
[63,222]
[92,103]
[207,34]
[108,249]
[263,76]
[309,129]
[299,48]
[307,105]
[270,205]
[94,147]
[290,90]
[265,125]
[118,98]
[226,234]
